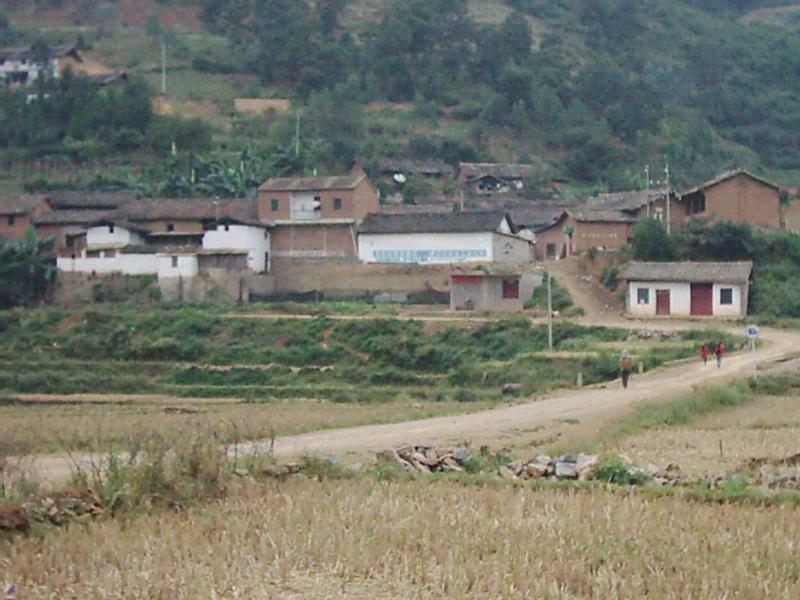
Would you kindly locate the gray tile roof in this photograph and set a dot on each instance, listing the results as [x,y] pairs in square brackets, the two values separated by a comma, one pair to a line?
[311,184]
[473,171]
[183,209]
[625,201]
[691,272]
[453,222]
[65,199]
[71,217]
[19,205]
[412,166]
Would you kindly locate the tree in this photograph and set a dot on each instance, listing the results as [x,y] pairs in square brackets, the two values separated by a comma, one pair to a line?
[650,241]
[25,270]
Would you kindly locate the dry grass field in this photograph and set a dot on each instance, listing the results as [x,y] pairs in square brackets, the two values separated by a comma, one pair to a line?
[767,427]
[362,538]
[111,422]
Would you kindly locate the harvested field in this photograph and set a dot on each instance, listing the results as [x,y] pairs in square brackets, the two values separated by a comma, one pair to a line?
[359,538]
[34,426]
[767,427]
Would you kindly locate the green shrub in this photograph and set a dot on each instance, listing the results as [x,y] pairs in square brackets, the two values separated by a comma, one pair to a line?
[614,469]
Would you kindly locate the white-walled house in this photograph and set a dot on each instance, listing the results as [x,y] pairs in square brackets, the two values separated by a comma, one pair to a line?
[441,238]
[254,240]
[111,248]
[684,289]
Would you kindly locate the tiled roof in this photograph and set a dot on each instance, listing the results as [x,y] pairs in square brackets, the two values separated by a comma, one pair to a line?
[65,199]
[413,165]
[692,272]
[24,52]
[473,171]
[601,216]
[71,217]
[311,184]
[182,209]
[19,205]
[537,218]
[453,222]
[626,201]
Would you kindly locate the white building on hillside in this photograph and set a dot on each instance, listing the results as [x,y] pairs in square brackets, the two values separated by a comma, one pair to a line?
[718,289]
[441,238]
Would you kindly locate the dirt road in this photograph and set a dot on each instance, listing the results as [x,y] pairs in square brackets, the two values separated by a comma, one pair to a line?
[587,404]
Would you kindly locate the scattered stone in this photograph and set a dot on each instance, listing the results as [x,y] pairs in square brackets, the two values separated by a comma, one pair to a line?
[566,470]
[585,465]
[427,459]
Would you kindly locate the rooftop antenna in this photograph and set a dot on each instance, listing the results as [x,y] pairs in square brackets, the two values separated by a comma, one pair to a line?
[669,201]
[647,184]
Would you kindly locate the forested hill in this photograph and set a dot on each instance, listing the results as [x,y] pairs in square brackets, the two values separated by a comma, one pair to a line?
[591,90]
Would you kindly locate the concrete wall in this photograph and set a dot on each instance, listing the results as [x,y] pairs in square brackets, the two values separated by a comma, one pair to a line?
[241,237]
[126,264]
[348,277]
[485,294]
[511,249]
[313,241]
[184,267]
[681,299]
[102,237]
[426,248]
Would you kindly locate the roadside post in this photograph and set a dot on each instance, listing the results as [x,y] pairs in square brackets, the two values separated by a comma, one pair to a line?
[752,336]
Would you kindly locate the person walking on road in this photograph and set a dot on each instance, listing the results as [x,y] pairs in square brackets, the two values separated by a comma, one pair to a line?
[625,367]
[720,352]
[704,352]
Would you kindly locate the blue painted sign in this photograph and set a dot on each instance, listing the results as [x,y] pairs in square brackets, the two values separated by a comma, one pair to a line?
[427,256]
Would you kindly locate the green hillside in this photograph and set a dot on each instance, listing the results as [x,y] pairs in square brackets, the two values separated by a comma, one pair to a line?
[591,90]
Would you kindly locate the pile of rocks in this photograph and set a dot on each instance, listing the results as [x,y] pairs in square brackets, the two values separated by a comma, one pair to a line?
[428,459]
[567,466]
[652,334]
[56,509]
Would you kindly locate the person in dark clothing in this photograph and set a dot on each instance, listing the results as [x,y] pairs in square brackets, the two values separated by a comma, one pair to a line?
[704,352]
[625,367]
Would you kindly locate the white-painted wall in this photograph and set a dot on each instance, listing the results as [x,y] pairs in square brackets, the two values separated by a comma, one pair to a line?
[126,264]
[681,299]
[101,237]
[425,248]
[186,266]
[255,240]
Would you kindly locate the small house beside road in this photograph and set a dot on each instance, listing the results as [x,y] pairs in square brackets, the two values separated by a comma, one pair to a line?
[489,290]
[684,289]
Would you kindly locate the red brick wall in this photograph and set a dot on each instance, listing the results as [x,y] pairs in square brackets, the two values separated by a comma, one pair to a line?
[600,234]
[17,230]
[742,199]
[356,203]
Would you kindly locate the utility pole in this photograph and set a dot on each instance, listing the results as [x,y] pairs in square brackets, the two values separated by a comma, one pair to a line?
[549,311]
[669,200]
[163,69]
[297,136]
[647,184]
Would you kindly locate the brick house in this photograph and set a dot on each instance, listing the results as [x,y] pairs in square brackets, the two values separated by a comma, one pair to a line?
[488,290]
[316,216]
[737,196]
[641,204]
[577,231]
[17,214]
[489,178]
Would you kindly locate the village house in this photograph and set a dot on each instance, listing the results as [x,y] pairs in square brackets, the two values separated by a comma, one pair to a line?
[640,204]
[493,289]
[574,232]
[17,214]
[400,169]
[316,217]
[718,289]
[737,196]
[491,178]
[441,238]
[173,238]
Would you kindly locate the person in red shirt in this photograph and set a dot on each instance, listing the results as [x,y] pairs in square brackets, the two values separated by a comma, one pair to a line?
[704,352]
[720,352]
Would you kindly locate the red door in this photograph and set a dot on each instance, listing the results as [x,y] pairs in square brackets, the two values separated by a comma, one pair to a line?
[702,299]
[662,302]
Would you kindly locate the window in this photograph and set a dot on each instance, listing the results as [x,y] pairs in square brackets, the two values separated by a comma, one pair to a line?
[510,289]
[110,229]
[337,204]
[174,262]
[551,249]
[11,219]
[70,241]
[643,296]
[697,204]
[726,296]
[227,227]
[170,226]
[275,204]
[266,262]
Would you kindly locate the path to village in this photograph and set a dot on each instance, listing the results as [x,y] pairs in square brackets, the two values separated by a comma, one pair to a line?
[585,404]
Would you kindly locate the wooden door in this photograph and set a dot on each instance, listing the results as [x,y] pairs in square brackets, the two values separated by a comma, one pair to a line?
[702,302]
[662,302]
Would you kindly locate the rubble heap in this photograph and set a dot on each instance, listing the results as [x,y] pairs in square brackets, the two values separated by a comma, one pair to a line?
[578,467]
[428,459]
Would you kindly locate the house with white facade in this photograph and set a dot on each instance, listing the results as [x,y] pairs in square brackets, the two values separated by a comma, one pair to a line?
[441,238]
[683,289]
[19,66]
